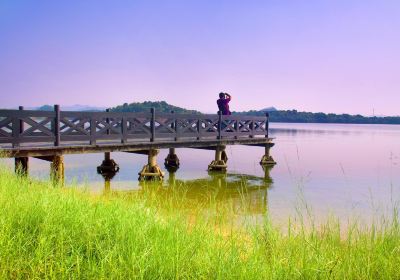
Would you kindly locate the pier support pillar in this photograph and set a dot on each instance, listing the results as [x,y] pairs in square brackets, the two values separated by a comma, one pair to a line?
[219,164]
[151,171]
[22,165]
[57,170]
[171,162]
[267,158]
[108,169]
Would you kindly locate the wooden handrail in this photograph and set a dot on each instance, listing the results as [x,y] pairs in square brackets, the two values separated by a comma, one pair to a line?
[65,127]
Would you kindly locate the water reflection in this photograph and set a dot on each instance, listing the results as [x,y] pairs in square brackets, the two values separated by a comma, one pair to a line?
[108,169]
[335,173]
[329,129]
[223,194]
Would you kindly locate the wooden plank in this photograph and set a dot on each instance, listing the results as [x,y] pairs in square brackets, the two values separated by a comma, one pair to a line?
[78,149]
[73,138]
[6,140]
[36,139]
[166,135]
[138,136]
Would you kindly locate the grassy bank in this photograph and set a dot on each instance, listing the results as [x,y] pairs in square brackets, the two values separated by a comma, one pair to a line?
[48,232]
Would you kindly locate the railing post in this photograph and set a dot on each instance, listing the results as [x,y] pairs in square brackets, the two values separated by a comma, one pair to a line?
[108,121]
[21,122]
[17,129]
[15,132]
[21,163]
[176,129]
[219,124]
[173,120]
[17,126]
[174,125]
[153,124]
[236,128]
[251,129]
[267,125]
[57,125]
[124,130]
[198,129]
[92,131]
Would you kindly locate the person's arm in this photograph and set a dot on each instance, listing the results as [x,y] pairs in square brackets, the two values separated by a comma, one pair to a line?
[229,96]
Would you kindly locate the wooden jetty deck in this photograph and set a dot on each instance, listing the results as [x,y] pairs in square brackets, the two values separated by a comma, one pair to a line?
[49,135]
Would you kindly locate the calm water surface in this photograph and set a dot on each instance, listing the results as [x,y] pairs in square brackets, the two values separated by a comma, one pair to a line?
[344,170]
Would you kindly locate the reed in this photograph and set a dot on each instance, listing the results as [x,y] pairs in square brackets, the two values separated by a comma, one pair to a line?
[58,233]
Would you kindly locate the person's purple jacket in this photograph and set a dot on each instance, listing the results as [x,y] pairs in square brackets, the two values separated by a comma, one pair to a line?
[223,105]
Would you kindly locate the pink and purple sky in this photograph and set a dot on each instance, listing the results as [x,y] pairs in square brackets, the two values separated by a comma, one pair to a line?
[330,56]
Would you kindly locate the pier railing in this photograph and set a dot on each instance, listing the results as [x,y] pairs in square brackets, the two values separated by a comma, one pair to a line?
[91,128]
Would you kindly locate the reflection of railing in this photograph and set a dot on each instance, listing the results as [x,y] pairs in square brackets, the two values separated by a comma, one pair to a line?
[63,127]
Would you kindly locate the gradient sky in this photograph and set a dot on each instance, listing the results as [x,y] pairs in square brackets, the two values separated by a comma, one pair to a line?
[330,56]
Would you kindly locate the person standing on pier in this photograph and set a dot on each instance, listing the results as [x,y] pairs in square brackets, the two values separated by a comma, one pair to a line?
[223,107]
[223,103]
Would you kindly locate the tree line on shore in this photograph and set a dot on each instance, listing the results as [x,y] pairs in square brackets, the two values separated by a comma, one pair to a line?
[290,116]
[293,116]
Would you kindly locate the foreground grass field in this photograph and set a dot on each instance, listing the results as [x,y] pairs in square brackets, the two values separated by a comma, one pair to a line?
[56,233]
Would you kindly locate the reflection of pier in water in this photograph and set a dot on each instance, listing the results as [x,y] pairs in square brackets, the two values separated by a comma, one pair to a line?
[244,194]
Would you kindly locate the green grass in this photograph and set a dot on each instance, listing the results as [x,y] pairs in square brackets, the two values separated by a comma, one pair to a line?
[57,233]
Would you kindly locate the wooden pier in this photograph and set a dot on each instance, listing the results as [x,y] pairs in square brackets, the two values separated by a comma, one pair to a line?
[49,135]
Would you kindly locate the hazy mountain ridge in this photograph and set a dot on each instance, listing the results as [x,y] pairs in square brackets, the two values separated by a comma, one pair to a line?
[76,107]
[159,106]
[290,116]
[269,109]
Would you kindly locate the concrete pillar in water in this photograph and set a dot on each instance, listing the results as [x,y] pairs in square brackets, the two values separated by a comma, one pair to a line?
[171,162]
[267,158]
[219,163]
[151,171]
[57,170]
[108,169]
[22,165]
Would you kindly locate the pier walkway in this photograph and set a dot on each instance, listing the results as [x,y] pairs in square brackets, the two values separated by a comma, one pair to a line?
[49,135]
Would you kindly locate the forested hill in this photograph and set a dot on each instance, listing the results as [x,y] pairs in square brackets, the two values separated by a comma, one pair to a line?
[290,116]
[160,106]
[293,116]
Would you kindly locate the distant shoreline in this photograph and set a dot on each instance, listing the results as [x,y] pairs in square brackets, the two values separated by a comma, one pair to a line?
[276,116]
[275,122]
[293,116]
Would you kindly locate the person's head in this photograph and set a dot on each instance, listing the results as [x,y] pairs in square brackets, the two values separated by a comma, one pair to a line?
[221,95]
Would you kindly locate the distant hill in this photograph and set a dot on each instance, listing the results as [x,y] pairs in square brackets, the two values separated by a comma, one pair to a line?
[290,116]
[293,116]
[77,107]
[269,109]
[160,106]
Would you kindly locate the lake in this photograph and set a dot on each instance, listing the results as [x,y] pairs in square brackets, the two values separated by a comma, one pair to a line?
[348,171]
